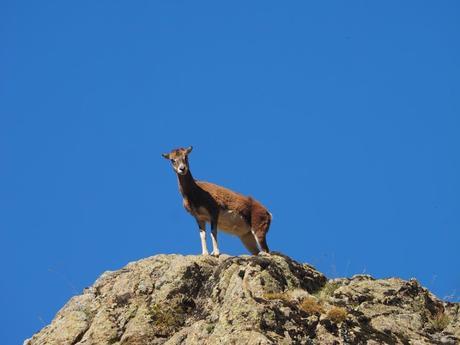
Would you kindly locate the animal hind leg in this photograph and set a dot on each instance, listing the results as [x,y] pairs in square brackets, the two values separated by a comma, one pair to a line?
[250,243]
[215,247]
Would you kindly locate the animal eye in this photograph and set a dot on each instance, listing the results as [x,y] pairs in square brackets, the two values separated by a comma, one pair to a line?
[173,160]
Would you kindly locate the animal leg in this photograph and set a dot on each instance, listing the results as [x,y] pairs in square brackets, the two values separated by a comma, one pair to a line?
[215,247]
[202,226]
[250,243]
[261,239]
[260,222]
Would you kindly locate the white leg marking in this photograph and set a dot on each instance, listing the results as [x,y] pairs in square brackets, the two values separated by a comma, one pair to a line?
[215,247]
[264,253]
[204,248]
[258,244]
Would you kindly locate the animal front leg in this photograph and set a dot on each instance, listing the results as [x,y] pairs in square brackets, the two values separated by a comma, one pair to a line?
[204,248]
[215,247]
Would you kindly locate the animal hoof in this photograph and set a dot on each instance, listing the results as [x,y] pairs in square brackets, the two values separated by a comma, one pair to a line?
[215,254]
[262,253]
[205,253]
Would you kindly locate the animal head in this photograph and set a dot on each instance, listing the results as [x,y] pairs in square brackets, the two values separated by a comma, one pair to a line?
[179,159]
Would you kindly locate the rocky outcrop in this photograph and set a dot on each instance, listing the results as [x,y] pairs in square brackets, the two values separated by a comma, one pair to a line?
[174,299]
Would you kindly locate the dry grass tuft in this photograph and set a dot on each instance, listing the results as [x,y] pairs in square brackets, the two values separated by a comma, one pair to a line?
[440,321]
[311,305]
[337,314]
[284,296]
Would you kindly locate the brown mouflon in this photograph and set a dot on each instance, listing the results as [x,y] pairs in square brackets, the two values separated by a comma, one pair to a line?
[224,209]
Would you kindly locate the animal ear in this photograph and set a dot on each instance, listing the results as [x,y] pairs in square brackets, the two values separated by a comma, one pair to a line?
[189,149]
[165,155]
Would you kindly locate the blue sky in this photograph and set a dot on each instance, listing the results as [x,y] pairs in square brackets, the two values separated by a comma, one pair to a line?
[341,117]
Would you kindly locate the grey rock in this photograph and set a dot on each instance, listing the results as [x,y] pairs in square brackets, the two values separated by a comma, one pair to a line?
[175,299]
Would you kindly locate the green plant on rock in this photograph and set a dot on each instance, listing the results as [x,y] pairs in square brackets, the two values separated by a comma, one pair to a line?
[166,319]
[327,290]
[210,328]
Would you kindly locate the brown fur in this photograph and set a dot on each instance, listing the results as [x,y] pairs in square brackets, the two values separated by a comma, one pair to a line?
[221,207]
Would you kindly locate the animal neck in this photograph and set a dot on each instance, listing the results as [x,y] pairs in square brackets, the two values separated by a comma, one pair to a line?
[186,183]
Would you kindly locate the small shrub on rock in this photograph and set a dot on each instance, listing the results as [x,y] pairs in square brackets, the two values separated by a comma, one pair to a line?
[440,321]
[337,314]
[311,305]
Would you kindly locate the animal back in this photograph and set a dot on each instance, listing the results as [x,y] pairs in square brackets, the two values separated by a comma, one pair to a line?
[226,198]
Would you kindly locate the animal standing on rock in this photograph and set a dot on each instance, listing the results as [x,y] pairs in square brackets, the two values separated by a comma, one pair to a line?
[224,209]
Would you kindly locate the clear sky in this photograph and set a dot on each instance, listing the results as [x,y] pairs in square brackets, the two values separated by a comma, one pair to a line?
[341,117]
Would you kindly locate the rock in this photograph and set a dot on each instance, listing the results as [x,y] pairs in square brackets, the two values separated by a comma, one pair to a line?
[174,299]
